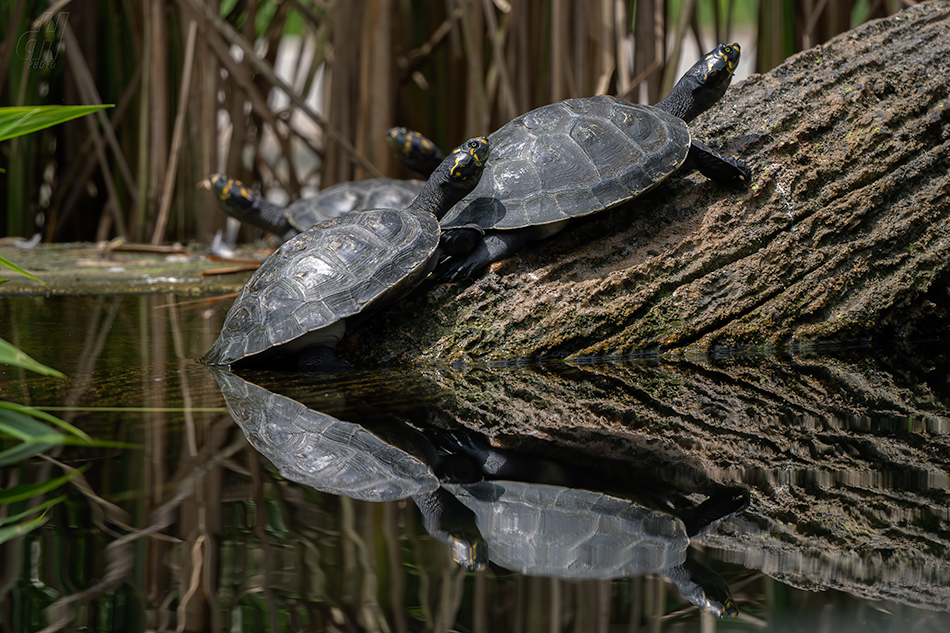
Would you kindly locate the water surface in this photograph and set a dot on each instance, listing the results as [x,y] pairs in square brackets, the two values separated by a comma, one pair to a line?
[843,453]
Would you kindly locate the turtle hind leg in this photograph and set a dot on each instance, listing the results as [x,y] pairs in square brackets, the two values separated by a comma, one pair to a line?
[723,169]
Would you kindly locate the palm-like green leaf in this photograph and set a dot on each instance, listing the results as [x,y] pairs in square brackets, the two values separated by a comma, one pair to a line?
[28,491]
[46,417]
[17,121]
[10,355]
[8,264]
[13,518]
[14,531]
[34,437]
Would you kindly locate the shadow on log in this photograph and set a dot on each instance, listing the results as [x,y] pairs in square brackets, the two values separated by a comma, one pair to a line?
[843,234]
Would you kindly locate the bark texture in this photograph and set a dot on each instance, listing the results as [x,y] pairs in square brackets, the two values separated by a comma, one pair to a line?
[843,233]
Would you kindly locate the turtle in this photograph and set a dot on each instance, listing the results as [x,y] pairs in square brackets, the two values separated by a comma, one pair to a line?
[413,149]
[297,305]
[548,530]
[250,207]
[347,459]
[581,156]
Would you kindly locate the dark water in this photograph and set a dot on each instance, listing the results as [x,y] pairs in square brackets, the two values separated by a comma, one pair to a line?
[615,469]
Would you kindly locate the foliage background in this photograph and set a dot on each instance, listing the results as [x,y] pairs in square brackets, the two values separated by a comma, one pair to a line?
[196,89]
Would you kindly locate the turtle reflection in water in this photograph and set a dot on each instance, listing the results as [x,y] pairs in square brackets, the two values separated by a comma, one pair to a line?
[532,528]
[543,530]
[346,459]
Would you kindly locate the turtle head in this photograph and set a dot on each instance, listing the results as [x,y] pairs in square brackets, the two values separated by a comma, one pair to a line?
[467,161]
[721,606]
[414,150]
[703,84]
[234,198]
[470,552]
[455,177]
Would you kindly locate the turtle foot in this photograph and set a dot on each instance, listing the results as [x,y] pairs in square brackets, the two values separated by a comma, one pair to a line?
[725,170]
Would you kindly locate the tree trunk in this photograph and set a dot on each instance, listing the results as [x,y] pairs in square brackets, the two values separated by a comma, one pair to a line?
[843,233]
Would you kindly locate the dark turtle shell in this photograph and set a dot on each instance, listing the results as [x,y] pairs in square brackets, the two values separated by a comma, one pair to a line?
[373,193]
[355,263]
[321,451]
[571,159]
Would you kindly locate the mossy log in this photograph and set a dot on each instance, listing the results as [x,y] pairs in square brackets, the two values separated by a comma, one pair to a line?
[843,233]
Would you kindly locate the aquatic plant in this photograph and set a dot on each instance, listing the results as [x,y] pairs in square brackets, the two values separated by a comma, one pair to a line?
[27,431]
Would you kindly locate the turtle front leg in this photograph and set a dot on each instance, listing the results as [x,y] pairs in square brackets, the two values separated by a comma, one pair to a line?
[723,169]
[494,246]
[459,241]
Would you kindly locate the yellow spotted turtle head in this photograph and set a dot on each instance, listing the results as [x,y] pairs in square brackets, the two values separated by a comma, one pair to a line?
[703,84]
[406,142]
[720,64]
[468,159]
[454,178]
[233,195]
[469,551]
[414,150]
[719,604]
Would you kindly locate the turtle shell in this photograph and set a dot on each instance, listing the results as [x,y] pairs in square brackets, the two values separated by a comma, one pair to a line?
[571,159]
[374,193]
[547,530]
[349,265]
[321,451]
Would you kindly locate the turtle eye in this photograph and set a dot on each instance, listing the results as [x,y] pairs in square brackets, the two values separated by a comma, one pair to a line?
[730,54]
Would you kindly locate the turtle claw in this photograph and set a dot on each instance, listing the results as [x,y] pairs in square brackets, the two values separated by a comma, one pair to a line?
[744,177]
[451,270]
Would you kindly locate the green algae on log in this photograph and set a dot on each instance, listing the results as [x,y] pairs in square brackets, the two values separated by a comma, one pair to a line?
[844,232]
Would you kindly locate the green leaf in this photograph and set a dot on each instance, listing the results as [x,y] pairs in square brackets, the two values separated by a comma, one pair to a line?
[22,515]
[18,121]
[46,417]
[23,427]
[6,262]
[35,437]
[12,356]
[28,491]
[15,531]
[24,451]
